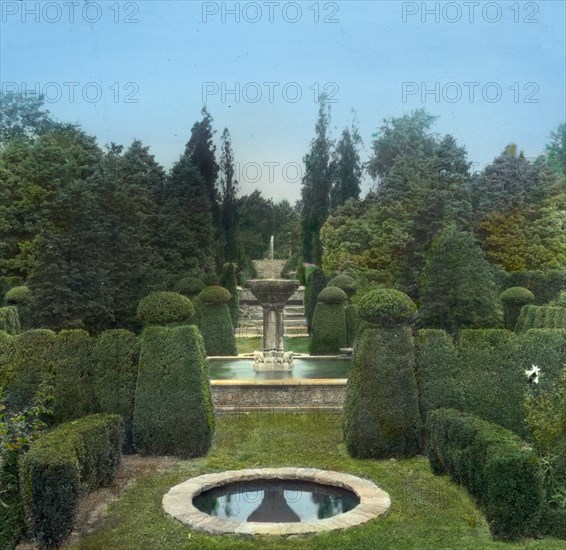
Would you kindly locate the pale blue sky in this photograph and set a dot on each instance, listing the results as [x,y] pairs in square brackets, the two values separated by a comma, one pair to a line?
[165,55]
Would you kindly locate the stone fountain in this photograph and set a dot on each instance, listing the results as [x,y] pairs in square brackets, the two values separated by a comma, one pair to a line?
[273,294]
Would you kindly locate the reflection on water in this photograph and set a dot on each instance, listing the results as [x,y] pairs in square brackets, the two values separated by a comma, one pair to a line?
[276,501]
[242,369]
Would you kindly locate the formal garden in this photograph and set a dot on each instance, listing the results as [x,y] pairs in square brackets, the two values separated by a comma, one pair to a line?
[432,312]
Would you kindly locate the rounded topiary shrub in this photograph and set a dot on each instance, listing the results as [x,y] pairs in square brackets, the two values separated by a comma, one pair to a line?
[386,307]
[173,406]
[346,283]
[189,286]
[328,333]
[17,295]
[381,414]
[215,321]
[316,281]
[165,308]
[514,299]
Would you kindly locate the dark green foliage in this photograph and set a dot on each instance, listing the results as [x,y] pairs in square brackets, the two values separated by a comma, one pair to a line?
[458,285]
[27,360]
[346,168]
[71,371]
[214,295]
[9,320]
[386,307]
[17,295]
[228,281]
[561,300]
[189,287]
[481,373]
[497,467]
[173,406]
[164,308]
[541,317]
[553,523]
[332,295]
[12,520]
[301,273]
[346,283]
[545,285]
[216,324]
[545,348]
[115,362]
[352,323]
[514,298]
[316,282]
[75,458]
[381,411]
[329,323]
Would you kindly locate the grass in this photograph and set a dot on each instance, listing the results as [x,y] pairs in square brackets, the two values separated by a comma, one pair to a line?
[427,512]
[249,345]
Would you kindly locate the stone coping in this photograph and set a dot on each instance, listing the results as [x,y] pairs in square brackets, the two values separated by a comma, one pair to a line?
[282,382]
[296,355]
[178,502]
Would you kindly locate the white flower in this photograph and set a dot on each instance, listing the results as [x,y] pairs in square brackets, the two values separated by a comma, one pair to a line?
[533,374]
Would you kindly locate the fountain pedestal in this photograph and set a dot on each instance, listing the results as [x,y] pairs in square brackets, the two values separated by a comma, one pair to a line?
[273,294]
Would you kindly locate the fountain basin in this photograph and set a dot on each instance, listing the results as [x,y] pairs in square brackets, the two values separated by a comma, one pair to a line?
[371,501]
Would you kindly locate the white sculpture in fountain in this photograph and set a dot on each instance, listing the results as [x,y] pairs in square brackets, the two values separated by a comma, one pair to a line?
[273,294]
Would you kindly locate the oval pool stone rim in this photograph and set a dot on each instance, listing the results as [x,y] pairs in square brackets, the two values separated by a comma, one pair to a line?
[178,502]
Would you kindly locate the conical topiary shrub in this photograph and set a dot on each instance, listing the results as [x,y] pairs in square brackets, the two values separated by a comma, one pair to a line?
[216,323]
[329,322]
[381,411]
[514,299]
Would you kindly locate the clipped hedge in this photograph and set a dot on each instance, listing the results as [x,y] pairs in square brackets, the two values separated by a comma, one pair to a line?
[352,324]
[386,307]
[9,320]
[164,308]
[514,299]
[229,282]
[545,348]
[315,283]
[215,322]
[25,361]
[541,317]
[545,285]
[381,415]
[344,282]
[72,372]
[329,332]
[497,467]
[76,457]
[189,287]
[17,295]
[173,405]
[115,363]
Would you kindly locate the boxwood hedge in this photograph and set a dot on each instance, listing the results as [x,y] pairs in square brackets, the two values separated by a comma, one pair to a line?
[74,458]
[9,320]
[173,405]
[541,317]
[497,467]
[165,308]
[216,324]
[329,332]
[115,363]
[514,299]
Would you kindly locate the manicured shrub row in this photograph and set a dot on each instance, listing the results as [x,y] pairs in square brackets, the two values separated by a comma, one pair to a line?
[173,404]
[494,465]
[9,320]
[115,360]
[164,308]
[76,457]
[329,332]
[481,372]
[315,283]
[381,411]
[215,323]
[545,348]
[541,317]
[514,299]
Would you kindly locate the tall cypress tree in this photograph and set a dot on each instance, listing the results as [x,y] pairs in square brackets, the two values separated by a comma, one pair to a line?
[346,168]
[316,187]
[229,214]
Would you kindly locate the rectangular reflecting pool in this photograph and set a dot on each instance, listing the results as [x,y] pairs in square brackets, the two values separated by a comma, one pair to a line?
[304,368]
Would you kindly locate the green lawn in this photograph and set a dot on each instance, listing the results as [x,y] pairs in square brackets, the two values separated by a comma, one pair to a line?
[427,512]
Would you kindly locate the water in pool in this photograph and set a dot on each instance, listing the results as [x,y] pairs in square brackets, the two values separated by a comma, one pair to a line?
[303,368]
[276,501]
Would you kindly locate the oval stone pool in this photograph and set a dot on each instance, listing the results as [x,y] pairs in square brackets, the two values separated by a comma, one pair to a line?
[276,501]
[304,368]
